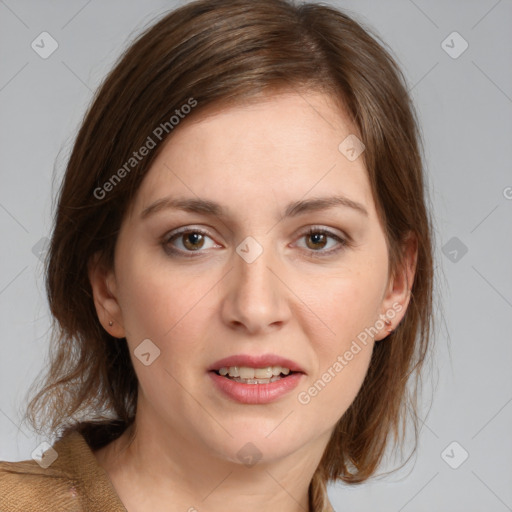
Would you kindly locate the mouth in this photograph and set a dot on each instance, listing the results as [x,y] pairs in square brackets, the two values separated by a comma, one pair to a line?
[255,379]
[248,375]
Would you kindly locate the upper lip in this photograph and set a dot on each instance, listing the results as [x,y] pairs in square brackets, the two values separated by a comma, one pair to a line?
[256,361]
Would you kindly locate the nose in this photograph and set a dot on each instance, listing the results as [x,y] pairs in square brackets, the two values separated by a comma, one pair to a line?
[256,298]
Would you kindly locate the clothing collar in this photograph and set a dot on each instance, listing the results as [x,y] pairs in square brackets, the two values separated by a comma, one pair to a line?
[77,460]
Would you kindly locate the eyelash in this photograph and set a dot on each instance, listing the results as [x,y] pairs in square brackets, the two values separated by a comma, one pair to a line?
[312,230]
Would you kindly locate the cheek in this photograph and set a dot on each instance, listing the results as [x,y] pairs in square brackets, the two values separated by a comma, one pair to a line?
[345,305]
[328,396]
[157,300]
[172,311]
[348,305]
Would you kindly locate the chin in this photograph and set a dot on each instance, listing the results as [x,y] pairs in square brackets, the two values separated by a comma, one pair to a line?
[253,443]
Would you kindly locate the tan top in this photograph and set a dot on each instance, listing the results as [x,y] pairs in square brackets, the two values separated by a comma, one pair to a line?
[74,482]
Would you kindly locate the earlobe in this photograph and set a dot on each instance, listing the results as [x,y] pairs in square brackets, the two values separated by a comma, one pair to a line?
[105,300]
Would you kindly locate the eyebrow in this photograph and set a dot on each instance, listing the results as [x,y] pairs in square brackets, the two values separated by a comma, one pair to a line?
[211,208]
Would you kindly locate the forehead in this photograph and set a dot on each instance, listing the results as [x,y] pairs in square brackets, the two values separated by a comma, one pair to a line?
[277,149]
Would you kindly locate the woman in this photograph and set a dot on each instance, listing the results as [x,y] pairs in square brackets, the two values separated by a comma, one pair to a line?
[240,270]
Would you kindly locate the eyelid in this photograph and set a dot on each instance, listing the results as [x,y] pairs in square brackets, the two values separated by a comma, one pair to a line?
[342,239]
[185,229]
[315,228]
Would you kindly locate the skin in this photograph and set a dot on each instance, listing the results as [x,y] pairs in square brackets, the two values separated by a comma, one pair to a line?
[253,160]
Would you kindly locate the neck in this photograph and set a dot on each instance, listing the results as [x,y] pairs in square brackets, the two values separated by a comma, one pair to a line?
[161,469]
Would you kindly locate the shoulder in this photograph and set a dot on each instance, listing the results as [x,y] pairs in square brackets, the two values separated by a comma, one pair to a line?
[25,486]
[66,477]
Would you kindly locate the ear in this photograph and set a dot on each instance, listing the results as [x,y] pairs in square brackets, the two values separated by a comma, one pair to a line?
[103,286]
[397,296]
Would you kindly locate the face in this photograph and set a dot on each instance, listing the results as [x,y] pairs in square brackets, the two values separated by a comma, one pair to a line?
[270,273]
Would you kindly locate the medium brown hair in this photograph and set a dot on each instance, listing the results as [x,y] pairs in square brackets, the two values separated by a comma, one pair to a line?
[227,52]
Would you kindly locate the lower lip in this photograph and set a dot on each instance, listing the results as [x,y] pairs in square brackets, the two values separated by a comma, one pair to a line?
[256,393]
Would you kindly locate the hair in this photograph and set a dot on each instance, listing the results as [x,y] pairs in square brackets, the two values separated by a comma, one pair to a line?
[221,53]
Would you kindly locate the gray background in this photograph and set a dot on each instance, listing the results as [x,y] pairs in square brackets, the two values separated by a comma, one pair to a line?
[465,108]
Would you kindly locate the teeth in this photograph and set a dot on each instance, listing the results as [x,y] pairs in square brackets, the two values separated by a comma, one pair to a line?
[244,372]
[263,373]
[256,381]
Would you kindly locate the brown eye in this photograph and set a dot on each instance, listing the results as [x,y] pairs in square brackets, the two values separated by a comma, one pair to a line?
[187,241]
[319,240]
[193,240]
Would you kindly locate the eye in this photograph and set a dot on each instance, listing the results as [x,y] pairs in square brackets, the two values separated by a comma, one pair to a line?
[318,238]
[190,239]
